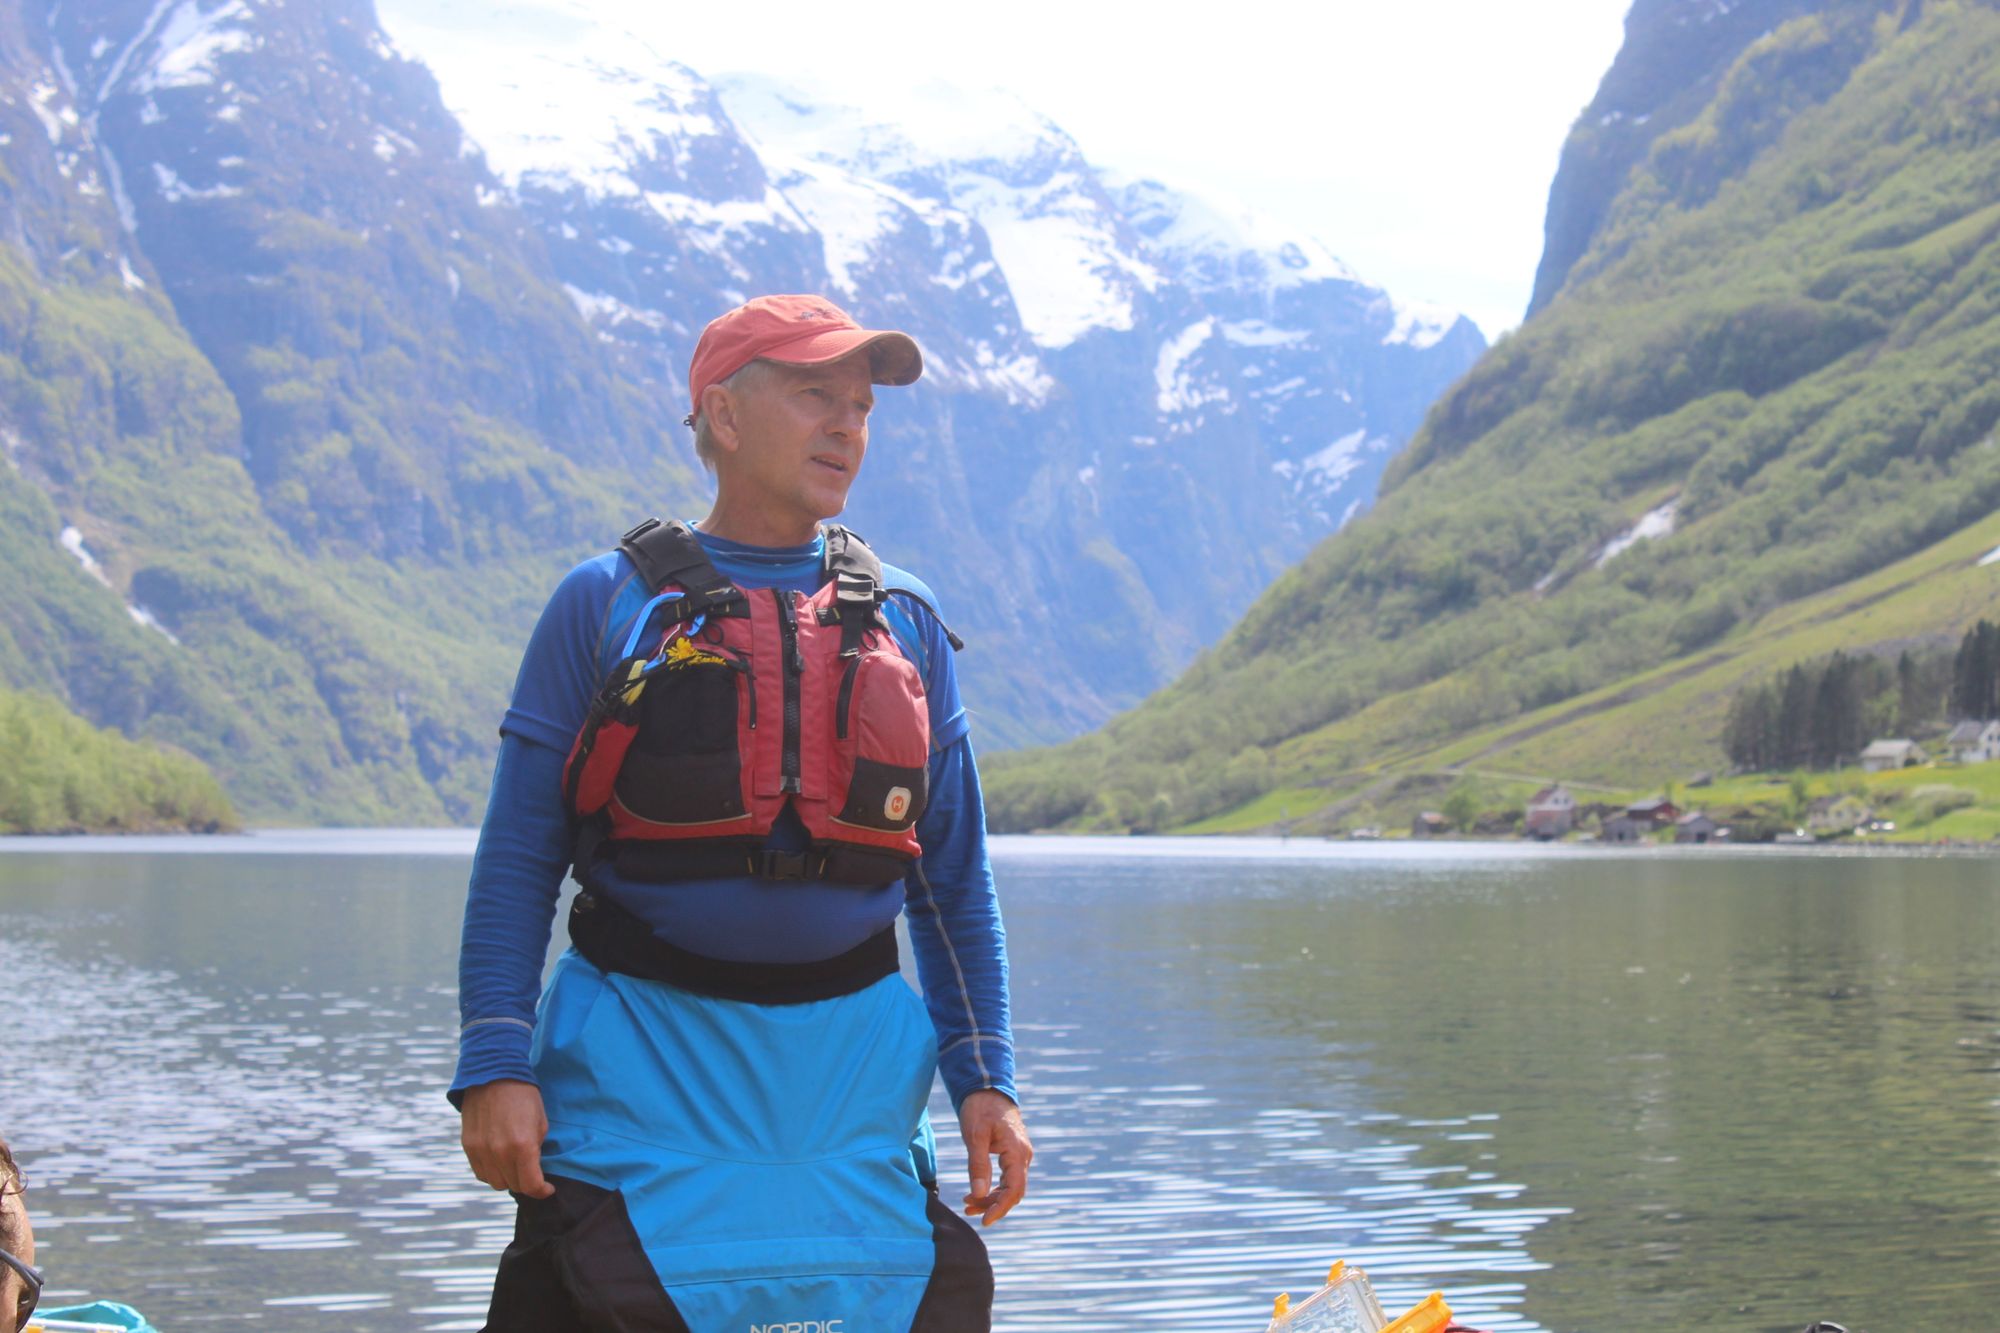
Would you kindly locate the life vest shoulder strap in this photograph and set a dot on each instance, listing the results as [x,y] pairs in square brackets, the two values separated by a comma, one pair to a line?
[668,554]
[856,574]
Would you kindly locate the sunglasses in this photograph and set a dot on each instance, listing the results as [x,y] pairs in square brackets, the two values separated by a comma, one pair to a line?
[31,1289]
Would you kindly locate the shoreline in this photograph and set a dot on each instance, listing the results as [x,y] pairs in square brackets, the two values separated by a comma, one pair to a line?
[461,841]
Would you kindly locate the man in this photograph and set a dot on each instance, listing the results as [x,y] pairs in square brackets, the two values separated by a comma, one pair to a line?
[20,1284]
[714,1118]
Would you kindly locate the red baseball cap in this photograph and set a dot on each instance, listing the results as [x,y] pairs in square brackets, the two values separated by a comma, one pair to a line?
[798,331]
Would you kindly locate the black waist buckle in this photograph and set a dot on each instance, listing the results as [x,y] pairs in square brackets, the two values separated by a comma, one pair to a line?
[774,864]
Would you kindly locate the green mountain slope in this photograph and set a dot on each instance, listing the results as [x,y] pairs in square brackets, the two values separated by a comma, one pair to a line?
[1782,341]
[64,775]
[311,503]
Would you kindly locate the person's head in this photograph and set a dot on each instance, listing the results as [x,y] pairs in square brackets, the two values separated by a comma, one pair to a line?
[17,1241]
[782,388]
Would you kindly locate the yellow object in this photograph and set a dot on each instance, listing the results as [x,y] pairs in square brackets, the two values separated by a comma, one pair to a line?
[1333,1273]
[682,653]
[1282,1306]
[1431,1315]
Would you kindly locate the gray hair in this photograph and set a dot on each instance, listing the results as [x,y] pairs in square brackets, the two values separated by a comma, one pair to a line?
[740,382]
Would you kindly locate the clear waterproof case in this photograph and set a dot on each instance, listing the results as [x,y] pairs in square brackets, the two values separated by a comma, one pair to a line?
[1346,1304]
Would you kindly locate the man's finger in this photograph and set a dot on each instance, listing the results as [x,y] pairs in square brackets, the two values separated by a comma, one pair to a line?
[978,1163]
[527,1173]
[980,1168]
[1014,1159]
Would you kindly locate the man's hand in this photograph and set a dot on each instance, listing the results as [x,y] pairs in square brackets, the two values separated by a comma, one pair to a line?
[502,1129]
[991,1124]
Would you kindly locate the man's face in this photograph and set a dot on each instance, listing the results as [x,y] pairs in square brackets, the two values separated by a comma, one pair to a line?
[801,434]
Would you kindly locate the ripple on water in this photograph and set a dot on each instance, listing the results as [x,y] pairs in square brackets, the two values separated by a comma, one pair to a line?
[281,1155]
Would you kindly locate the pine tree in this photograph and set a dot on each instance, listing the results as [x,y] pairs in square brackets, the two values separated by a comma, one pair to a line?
[1794,726]
[1975,683]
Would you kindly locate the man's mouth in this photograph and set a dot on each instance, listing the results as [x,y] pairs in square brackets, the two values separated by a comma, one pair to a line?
[835,464]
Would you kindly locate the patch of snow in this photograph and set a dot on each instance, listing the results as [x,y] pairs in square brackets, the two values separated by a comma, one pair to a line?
[133,282]
[722,228]
[99,47]
[1177,392]
[1326,468]
[1656,524]
[850,214]
[558,97]
[1056,240]
[231,113]
[128,217]
[1279,390]
[1061,256]
[189,42]
[1992,557]
[598,308]
[1212,242]
[150,113]
[72,541]
[173,189]
[452,280]
[1019,378]
[1418,325]
[1547,581]
[55,120]
[385,147]
[143,616]
[895,132]
[1256,333]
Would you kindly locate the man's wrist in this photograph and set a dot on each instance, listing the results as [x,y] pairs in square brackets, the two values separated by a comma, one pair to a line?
[970,1093]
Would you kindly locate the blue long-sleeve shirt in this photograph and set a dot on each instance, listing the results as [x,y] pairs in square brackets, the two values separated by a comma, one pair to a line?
[524,843]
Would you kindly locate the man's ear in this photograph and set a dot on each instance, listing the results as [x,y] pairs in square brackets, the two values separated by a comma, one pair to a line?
[719,405]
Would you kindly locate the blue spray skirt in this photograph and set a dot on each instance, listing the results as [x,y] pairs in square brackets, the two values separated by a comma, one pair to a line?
[721,1165]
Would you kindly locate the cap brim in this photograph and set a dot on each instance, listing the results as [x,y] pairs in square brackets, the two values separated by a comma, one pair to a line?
[893,357]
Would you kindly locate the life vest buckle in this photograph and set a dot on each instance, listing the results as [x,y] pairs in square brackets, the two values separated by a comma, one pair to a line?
[774,864]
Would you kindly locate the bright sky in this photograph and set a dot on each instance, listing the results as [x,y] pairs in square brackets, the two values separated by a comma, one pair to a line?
[1416,138]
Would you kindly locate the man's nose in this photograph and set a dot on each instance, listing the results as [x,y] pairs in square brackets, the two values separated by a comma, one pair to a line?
[848,420]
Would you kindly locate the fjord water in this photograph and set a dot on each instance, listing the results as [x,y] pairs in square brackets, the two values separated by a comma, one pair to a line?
[1575,1091]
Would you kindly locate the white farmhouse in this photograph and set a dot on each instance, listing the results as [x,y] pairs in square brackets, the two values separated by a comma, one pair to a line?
[1885,755]
[1975,742]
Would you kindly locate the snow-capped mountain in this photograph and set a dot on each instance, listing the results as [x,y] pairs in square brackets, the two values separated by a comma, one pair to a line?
[431,291]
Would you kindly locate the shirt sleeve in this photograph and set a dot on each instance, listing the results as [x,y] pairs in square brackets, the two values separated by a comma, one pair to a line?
[524,841]
[918,627]
[956,932]
[517,875]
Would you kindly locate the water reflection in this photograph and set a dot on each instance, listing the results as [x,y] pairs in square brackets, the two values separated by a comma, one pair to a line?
[1573,1092]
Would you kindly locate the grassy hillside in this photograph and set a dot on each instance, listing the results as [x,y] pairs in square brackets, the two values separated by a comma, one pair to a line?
[63,775]
[1787,329]
[1631,737]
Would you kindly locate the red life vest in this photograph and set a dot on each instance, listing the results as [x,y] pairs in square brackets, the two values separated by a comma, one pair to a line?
[740,702]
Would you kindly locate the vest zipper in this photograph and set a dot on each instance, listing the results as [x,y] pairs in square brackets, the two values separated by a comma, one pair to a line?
[794,670]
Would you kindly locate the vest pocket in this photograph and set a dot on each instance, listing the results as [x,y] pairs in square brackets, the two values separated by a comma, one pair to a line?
[882,728]
[888,797]
[685,766]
